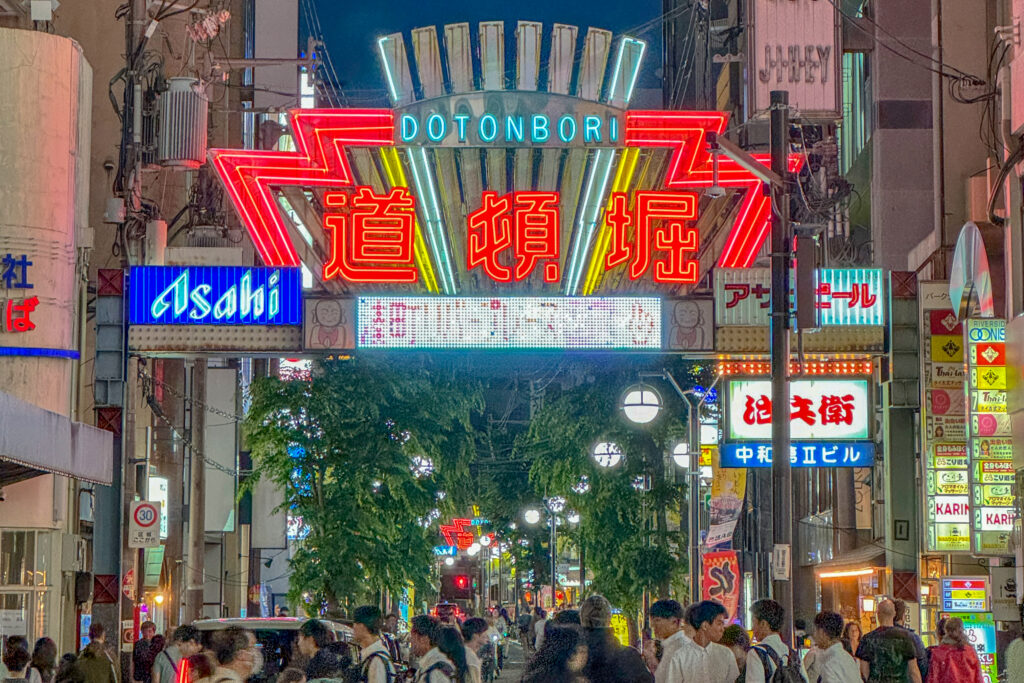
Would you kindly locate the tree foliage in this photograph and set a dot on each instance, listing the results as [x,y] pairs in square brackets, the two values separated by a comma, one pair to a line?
[628,545]
[341,446]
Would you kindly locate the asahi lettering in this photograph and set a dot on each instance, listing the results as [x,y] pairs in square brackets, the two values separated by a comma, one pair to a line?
[202,303]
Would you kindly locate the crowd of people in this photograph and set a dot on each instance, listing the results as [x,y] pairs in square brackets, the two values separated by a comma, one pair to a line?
[695,644]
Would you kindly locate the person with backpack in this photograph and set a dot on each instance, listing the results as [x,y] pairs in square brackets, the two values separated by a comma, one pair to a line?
[887,654]
[771,660]
[832,663]
[375,664]
[955,659]
[167,666]
[94,664]
[433,666]
[920,652]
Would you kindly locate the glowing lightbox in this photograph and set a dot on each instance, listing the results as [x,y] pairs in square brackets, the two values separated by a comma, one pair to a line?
[586,323]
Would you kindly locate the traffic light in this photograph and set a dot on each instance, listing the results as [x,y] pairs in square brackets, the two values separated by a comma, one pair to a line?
[456,586]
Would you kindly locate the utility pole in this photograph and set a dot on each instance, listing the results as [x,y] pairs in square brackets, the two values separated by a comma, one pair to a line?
[693,482]
[782,478]
[197,496]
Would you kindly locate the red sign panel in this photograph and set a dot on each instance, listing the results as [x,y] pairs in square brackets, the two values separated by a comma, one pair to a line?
[943,323]
[722,580]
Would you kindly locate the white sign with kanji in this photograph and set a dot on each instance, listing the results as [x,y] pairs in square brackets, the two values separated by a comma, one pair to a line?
[144,525]
[820,410]
[843,297]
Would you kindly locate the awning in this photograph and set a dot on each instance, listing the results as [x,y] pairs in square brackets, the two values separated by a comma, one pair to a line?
[865,557]
[34,441]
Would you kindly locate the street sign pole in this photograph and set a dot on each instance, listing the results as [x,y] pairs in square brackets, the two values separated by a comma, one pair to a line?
[782,480]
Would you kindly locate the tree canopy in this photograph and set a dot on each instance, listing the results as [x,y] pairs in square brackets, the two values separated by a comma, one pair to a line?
[370,454]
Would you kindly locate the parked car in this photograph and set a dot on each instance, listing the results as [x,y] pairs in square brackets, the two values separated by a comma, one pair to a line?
[277,637]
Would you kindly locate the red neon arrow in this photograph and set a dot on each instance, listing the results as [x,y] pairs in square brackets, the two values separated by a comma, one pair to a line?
[691,166]
[320,136]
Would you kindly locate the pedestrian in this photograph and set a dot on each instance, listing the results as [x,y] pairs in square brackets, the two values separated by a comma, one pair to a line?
[235,652]
[167,665]
[887,654]
[495,635]
[1015,659]
[738,642]
[770,653]
[562,658]
[832,663]
[954,660]
[538,628]
[314,636]
[940,633]
[200,666]
[11,644]
[292,675]
[334,660]
[142,653]
[474,632]
[94,665]
[851,637]
[607,660]
[66,669]
[701,659]
[919,650]
[389,636]
[433,666]
[44,661]
[667,624]
[375,663]
[16,660]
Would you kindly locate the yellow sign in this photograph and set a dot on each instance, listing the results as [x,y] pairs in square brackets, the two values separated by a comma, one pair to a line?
[947,349]
[707,455]
[620,628]
[952,537]
[987,377]
[998,495]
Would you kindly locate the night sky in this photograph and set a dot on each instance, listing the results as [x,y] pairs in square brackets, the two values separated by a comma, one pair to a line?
[350,28]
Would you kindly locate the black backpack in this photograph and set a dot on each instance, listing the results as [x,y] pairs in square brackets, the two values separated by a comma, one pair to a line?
[443,667]
[361,673]
[790,672]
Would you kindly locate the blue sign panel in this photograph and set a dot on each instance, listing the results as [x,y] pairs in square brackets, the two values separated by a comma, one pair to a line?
[214,295]
[445,550]
[811,454]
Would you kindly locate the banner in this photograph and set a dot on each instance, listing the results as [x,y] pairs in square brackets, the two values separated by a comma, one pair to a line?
[722,580]
[728,487]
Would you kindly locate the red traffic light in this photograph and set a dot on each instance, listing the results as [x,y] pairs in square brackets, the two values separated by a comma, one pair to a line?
[462,582]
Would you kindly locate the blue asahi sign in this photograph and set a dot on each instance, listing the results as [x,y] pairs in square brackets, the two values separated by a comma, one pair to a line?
[214,295]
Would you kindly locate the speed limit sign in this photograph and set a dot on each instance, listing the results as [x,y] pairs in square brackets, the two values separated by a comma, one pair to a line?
[144,525]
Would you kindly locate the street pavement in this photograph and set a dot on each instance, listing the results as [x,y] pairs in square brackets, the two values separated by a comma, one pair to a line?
[514,664]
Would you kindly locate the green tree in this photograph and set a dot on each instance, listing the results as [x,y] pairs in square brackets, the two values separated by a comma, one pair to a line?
[370,453]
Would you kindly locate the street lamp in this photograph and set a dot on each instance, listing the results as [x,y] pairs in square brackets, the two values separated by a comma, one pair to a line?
[607,454]
[641,404]
[556,504]
[532,516]
[582,486]
[573,517]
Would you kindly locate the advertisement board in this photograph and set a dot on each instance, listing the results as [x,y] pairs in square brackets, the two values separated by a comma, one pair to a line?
[990,444]
[803,454]
[824,410]
[599,323]
[794,46]
[843,297]
[947,516]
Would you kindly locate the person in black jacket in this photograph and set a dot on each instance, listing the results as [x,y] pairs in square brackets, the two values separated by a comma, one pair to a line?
[607,660]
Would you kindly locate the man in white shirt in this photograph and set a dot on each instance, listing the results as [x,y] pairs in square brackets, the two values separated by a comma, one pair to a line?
[538,628]
[666,622]
[832,663]
[701,659]
[474,632]
[768,616]
[432,665]
[375,663]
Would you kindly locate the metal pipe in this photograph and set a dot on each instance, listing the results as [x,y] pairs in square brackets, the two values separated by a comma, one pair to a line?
[782,479]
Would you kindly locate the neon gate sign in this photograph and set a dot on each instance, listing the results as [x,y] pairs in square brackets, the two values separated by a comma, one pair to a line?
[322,136]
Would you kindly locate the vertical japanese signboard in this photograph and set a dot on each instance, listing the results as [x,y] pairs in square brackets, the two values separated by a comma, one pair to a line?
[944,448]
[794,46]
[990,440]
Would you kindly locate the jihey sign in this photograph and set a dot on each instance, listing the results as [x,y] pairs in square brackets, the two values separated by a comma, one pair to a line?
[820,410]
[844,296]
[376,236]
[210,295]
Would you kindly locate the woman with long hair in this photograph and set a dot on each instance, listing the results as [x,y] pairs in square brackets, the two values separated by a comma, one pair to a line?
[851,637]
[560,659]
[44,661]
[451,645]
[954,660]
